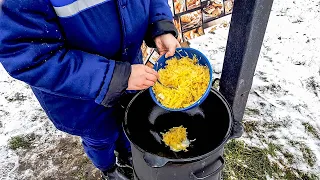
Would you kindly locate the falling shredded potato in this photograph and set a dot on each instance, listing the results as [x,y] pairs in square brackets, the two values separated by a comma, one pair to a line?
[176,139]
[189,79]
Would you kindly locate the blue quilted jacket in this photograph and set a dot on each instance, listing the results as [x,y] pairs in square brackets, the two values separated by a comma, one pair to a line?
[77,54]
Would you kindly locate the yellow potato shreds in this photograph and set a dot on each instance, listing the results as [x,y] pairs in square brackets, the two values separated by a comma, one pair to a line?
[176,139]
[189,79]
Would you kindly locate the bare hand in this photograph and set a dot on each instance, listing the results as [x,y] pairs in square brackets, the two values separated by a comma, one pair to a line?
[142,77]
[167,44]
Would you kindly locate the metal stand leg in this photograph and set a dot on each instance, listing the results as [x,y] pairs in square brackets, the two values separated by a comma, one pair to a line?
[248,24]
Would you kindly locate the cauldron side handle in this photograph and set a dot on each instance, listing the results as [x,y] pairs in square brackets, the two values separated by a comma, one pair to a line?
[237,130]
[197,176]
[154,161]
[237,127]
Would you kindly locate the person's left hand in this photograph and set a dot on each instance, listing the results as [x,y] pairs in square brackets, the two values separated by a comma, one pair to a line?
[166,44]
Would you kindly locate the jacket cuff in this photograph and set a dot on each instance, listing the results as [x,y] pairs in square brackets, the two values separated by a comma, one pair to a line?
[118,83]
[159,28]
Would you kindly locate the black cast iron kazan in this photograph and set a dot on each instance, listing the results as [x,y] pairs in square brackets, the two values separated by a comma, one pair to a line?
[209,124]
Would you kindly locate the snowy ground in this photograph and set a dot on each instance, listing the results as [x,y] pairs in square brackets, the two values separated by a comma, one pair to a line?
[283,106]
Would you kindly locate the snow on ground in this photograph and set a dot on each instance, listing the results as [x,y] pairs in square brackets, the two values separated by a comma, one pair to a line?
[283,104]
[286,87]
[51,155]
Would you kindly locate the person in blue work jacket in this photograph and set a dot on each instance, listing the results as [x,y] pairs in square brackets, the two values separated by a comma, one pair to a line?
[81,58]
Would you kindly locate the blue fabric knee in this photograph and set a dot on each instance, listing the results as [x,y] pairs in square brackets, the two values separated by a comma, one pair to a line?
[101,152]
[122,144]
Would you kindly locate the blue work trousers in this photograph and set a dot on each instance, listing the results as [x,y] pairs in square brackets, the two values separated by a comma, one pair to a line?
[101,151]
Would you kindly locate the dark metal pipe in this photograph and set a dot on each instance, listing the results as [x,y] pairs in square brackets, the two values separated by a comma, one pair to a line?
[248,25]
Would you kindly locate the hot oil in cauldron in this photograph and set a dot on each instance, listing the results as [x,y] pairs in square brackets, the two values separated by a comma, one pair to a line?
[193,120]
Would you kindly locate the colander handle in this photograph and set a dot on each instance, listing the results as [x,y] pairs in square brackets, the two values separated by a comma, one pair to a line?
[197,175]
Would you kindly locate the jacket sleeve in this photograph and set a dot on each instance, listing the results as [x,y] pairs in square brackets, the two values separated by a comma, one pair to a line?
[33,50]
[160,21]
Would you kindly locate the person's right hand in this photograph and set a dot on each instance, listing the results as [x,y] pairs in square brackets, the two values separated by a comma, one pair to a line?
[142,77]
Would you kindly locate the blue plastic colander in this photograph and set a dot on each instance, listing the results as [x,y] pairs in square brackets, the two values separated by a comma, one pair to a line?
[190,52]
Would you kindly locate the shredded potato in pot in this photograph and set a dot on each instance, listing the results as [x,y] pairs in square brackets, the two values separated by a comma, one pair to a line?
[176,139]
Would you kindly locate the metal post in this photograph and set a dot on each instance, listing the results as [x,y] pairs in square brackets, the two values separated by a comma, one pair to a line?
[248,25]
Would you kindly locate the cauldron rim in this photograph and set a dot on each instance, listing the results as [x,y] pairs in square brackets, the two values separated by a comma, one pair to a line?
[203,156]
